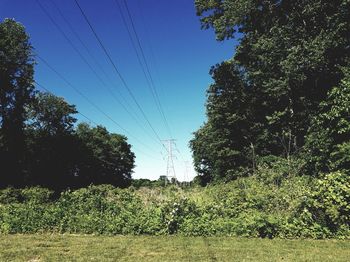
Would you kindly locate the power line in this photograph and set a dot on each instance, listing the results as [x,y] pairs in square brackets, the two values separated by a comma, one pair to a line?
[90,53]
[78,37]
[86,117]
[47,90]
[89,101]
[118,72]
[152,86]
[149,79]
[147,67]
[84,59]
[69,41]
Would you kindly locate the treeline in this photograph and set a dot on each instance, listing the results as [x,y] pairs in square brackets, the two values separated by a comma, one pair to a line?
[40,140]
[285,94]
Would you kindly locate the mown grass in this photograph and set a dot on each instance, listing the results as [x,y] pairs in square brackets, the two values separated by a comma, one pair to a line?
[166,248]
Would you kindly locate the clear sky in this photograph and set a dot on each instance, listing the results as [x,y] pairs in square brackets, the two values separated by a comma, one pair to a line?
[179,55]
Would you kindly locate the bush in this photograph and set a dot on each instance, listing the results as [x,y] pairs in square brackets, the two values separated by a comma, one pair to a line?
[37,195]
[10,195]
[251,207]
[331,200]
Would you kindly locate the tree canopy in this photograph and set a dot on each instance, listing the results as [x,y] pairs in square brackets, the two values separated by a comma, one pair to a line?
[263,100]
[16,92]
[40,143]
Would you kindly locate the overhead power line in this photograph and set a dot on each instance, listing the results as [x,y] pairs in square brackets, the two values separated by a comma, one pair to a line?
[118,72]
[59,28]
[86,117]
[76,34]
[143,64]
[147,67]
[90,101]
[48,91]
[79,38]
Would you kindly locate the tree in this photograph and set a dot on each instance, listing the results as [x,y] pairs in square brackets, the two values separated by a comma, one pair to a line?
[106,158]
[51,115]
[222,144]
[16,92]
[328,139]
[53,148]
[289,56]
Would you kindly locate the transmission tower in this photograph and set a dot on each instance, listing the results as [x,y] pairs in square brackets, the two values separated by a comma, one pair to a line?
[170,168]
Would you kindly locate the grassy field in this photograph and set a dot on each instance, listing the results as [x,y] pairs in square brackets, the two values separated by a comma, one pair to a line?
[141,248]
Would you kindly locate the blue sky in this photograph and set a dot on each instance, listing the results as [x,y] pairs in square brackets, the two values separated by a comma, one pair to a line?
[178,52]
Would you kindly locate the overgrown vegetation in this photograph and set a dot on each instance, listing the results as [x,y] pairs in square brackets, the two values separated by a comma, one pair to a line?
[269,204]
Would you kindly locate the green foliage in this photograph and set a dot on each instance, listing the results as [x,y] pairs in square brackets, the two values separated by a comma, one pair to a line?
[36,195]
[106,157]
[10,195]
[328,138]
[16,92]
[39,142]
[223,144]
[51,115]
[332,200]
[52,148]
[270,204]
[263,100]
[137,183]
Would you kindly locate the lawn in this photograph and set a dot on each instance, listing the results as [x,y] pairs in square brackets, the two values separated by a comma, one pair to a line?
[166,248]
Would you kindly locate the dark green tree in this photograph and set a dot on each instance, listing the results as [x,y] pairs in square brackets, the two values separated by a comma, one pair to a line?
[224,143]
[53,148]
[106,158]
[328,139]
[289,56]
[51,115]
[16,92]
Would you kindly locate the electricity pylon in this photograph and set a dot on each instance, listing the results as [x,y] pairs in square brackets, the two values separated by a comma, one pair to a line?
[170,168]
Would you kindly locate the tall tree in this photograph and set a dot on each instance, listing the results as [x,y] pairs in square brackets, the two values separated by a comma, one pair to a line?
[106,158]
[221,145]
[328,139]
[53,147]
[51,114]
[290,55]
[16,92]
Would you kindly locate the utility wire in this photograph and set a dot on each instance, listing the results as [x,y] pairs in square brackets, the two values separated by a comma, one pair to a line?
[148,78]
[118,72]
[86,117]
[89,101]
[78,37]
[68,40]
[150,81]
[86,62]
[89,52]
[48,91]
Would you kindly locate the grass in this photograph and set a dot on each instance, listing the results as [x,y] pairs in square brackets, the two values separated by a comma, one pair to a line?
[45,247]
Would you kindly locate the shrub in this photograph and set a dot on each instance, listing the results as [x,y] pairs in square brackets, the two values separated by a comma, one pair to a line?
[331,200]
[37,195]
[10,195]
[250,207]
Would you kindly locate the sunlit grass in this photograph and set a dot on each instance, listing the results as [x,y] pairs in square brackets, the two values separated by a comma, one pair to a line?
[167,248]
